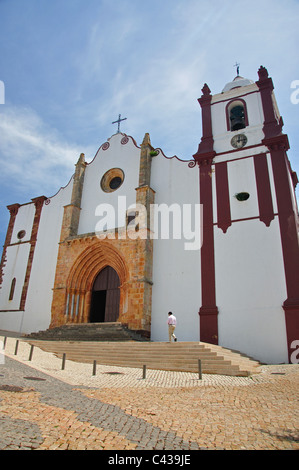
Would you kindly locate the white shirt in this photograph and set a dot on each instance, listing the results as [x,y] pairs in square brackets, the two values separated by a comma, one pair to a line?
[171,320]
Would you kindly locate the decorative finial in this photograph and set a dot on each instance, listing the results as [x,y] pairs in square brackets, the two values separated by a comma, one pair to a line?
[263,73]
[119,121]
[206,90]
[81,159]
[146,139]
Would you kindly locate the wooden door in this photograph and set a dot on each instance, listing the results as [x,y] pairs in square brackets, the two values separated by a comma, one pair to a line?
[105,297]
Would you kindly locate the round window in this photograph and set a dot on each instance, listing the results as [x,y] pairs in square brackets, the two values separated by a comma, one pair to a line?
[115,182]
[112,180]
[21,234]
[242,196]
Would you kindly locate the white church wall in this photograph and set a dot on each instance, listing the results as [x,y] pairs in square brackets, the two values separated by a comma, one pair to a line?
[176,272]
[241,177]
[176,288]
[24,221]
[126,157]
[39,298]
[254,110]
[250,290]
[15,267]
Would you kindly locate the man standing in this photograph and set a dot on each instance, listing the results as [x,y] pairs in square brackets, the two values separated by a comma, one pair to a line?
[171,326]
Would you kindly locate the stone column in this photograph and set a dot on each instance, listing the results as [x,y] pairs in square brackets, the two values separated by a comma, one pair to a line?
[71,214]
[69,228]
[145,195]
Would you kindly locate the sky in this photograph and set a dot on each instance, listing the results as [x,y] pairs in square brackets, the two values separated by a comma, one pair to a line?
[70,67]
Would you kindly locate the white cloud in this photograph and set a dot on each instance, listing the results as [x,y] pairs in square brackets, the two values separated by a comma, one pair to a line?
[149,63]
[33,155]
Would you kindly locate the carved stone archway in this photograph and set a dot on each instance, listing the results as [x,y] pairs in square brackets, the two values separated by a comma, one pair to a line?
[77,268]
[82,276]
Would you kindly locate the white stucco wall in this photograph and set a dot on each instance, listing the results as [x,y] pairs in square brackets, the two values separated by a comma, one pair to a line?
[250,289]
[24,221]
[249,269]
[37,314]
[16,264]
[250,282]
[15,267]
[127,158]
[176,272]
[39,297]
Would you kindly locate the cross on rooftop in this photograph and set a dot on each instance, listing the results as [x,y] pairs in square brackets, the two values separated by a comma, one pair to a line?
[238,68]
[119,121]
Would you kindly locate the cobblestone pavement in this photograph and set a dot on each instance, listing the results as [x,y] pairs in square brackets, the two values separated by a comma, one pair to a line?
[44,407]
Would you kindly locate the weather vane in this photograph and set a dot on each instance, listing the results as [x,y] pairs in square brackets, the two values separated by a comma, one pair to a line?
[119,121]
[238,68]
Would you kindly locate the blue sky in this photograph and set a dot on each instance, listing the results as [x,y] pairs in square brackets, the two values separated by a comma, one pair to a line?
[71,66]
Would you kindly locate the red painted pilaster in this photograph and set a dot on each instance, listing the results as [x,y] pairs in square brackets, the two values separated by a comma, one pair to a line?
[272,126]
[208,312]
[222,192]
[38,202]
[13,209]
[278,144]
[263,189]
[289,240]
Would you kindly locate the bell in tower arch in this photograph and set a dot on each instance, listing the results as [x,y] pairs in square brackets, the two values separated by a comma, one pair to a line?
[237,117]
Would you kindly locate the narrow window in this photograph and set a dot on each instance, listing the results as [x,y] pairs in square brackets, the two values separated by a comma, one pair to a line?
[12,288]
[131,216]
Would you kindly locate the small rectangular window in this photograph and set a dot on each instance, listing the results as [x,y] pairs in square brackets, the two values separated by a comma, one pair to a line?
[131,216]
[12,288]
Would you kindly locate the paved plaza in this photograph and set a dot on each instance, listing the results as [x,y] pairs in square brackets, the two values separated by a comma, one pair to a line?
[46,408]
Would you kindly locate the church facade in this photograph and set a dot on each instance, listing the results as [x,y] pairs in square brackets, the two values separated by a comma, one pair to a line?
[136,234]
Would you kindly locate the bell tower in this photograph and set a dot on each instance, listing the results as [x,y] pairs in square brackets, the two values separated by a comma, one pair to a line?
[250,252]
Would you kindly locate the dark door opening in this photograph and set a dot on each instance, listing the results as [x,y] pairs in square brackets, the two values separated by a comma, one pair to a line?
[105,297]
[98,303]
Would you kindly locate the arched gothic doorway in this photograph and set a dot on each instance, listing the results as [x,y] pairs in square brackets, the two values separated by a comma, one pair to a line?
[105,297]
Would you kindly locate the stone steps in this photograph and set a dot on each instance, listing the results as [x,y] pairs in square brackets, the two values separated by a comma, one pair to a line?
[113,331]
[181,356]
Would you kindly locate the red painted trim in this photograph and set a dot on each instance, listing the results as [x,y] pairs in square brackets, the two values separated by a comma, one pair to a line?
[237,96]
[245,219]
[19,243]
[248,147]
[13,209]
[4,311]
[289,239]
[271,125]
[208,312]
[278,144]
[263,189]
[286,214]
[206,147]
[38,202]
[125,136]
[222,194]
[227,113]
